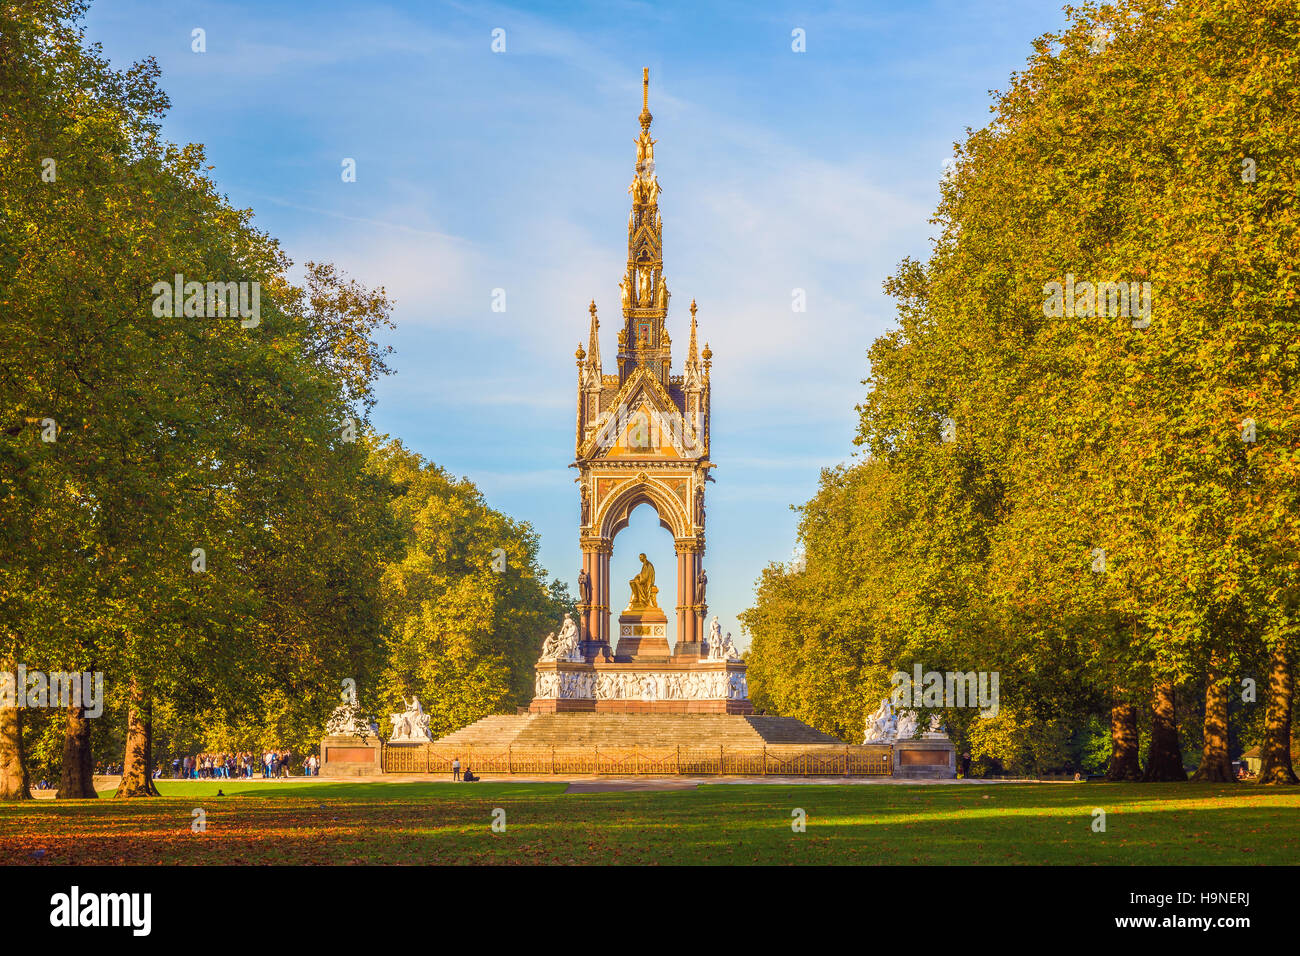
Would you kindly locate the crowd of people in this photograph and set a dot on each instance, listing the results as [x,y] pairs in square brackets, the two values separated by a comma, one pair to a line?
[246,765]
[218,766]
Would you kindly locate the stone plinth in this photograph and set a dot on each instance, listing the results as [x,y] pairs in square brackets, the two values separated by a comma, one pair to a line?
[933,757]
[688,651]
[351,756]
[642,636]
[642,687]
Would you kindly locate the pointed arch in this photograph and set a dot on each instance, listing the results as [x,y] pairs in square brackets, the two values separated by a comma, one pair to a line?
[617,510]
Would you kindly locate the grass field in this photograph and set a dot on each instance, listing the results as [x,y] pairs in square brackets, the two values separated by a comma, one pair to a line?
[420,822]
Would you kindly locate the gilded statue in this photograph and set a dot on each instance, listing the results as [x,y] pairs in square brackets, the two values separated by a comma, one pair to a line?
[643,588]
[645,150]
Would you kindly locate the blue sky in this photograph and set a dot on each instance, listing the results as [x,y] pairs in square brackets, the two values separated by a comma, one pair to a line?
[479,170]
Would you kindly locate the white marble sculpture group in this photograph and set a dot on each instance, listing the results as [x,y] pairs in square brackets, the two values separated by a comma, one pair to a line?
[643,686]
[411,725]
[565,647]
[347,721]
[884,726]
[720,648]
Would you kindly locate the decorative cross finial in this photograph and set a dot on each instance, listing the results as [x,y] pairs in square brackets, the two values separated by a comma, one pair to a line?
[645,98]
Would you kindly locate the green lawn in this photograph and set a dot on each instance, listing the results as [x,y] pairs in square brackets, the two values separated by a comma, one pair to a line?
[383,822]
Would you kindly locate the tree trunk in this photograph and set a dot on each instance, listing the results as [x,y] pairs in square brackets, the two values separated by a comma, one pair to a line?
[137,764]
[1275,748]
[13,770]
[1215,766]
[77,779]
[1124,743]
[1164,756]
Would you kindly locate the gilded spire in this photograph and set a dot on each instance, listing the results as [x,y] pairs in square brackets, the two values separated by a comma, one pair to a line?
[693,380]
[593,346]
[691,354]
[643,340]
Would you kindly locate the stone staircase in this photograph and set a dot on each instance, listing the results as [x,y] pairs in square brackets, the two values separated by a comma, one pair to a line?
[497,730]
[581,730]
[788,730]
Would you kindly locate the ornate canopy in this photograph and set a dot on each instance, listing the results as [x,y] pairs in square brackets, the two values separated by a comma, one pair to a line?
[643,433]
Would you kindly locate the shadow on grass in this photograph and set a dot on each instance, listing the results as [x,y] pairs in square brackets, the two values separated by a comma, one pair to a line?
[419,822]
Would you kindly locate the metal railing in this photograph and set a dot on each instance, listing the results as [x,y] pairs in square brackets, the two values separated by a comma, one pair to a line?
[823,761]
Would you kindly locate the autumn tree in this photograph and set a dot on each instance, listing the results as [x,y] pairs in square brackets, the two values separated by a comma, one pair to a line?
[465,603]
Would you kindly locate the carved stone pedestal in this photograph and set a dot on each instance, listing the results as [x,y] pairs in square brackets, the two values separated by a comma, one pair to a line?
[351,756]
[641,687]
[928,757]
[642,636]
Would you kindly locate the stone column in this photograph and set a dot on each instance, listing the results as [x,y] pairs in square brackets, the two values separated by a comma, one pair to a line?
[584,610]
[688,567]
[684,588]
[595,559]
[601,609]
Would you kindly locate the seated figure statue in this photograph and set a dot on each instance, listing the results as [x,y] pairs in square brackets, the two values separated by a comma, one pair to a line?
[643,587]
[411,724]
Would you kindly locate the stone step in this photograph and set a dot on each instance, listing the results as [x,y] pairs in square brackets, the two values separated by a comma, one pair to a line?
[788,730]
[581,730]
[498,729]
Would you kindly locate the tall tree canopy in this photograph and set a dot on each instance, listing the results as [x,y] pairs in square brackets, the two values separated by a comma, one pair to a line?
[194,503]
[1095,497]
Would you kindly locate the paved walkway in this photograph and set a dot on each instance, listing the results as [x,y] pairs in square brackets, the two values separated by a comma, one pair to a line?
[647,785]
[594,783]
[601,784]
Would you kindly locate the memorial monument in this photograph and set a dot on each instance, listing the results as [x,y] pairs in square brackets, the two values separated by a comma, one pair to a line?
[642,438]
[628,701]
